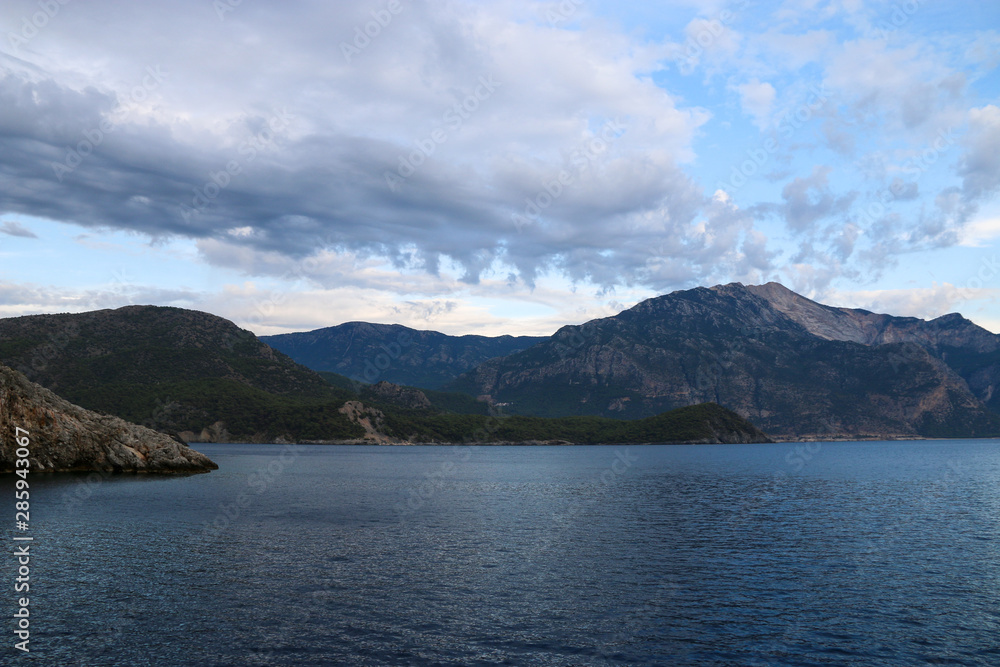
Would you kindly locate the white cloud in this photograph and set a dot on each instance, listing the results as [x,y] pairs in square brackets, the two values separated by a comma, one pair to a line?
[924,302]
[894,88]
[757,99]
[980,166]
[980,232]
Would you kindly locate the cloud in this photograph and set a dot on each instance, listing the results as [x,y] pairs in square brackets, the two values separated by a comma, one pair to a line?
[289,155]
[757,99]
[923,302]
[980,164]
[980,232]
[709,42]
[12,228]
[893,88]
[28,298]
[809,200]
[471,145]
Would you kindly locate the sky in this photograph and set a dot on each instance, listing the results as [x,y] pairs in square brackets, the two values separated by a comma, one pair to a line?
[496,167]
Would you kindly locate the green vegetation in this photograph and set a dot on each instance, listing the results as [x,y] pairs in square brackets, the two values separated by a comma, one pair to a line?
[706,422]
[441,401]
[183,371]
[246,412]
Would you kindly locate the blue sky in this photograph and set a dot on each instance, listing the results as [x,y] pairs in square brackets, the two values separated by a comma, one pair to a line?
[496,167]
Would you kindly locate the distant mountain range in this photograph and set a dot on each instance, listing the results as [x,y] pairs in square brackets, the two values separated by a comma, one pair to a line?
[370,353]
[791,366]
[201,378]
[794,367]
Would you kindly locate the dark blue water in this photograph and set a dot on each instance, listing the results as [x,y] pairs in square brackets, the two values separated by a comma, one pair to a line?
[822,554]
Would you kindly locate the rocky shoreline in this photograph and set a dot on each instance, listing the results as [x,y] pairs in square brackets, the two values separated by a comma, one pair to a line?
[64,437]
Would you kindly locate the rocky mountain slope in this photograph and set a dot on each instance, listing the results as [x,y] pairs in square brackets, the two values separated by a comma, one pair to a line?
[793,367]
[968,349]
[65,437]
[369,353]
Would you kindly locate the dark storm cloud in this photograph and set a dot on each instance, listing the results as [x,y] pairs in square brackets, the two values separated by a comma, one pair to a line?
[401,143]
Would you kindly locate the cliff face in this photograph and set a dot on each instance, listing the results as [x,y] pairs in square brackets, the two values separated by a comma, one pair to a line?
[969,350]
[66,437]
[793,367]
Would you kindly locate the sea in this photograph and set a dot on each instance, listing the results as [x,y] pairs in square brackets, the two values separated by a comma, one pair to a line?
[826,553]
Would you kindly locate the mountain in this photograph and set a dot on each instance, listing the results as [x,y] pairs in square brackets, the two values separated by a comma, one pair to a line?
[369,353]
[968,349]
[175,370]
[146,345]
[203,378]
[792,366]
[60,436]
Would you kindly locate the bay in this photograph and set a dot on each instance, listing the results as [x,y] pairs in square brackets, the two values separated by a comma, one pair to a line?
[874,553]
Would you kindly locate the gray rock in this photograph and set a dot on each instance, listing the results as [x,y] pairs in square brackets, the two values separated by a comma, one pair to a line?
[65,437]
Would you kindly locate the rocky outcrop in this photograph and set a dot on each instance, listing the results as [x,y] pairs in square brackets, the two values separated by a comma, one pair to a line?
[218,433]
[372,420]
[405,397]
[65,437]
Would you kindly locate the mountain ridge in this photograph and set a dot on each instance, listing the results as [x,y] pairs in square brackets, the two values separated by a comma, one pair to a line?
[202,378]
[368,353]
[756,350]
[792,366]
